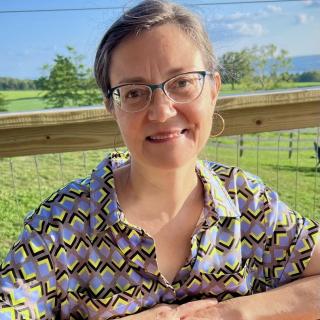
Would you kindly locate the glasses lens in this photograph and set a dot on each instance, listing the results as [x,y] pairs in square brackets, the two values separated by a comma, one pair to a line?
[132,98]
[185,87]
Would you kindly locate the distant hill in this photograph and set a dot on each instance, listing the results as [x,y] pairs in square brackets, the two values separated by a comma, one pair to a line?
[305,63]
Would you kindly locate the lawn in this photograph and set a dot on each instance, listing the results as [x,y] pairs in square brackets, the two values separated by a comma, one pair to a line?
[25,181]
[226,88]
[24,100]
[29,100]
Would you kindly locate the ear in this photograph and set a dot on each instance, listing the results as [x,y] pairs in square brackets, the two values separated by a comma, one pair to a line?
[215,89]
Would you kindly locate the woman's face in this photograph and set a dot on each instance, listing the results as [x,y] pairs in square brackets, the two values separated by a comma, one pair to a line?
[166,134]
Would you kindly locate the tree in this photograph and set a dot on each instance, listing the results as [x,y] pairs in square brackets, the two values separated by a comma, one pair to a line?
[69,82]
[7,83]
[235,67]
[308,76]
[3,102]
[268,64]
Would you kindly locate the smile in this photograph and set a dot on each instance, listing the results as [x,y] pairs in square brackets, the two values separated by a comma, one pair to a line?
[166,136]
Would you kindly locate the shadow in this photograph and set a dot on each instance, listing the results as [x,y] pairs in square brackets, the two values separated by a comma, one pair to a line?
[19,99]
[309,171]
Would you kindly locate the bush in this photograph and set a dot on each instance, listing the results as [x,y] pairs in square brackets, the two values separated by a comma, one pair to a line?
[310,76]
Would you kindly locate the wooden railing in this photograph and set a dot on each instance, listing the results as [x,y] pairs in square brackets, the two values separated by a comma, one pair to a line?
[87,128]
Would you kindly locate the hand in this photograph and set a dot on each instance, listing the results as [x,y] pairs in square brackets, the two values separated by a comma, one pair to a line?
[196,310]
[158,312]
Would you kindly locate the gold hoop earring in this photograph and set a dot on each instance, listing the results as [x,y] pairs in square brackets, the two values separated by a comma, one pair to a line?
[115,144]
[222,124]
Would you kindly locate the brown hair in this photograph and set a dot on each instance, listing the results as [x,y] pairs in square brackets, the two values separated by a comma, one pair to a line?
[144,16]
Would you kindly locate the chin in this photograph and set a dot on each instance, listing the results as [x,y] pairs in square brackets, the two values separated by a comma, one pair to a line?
[171,162]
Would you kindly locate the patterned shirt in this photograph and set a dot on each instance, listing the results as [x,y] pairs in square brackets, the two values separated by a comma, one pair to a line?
[79,258]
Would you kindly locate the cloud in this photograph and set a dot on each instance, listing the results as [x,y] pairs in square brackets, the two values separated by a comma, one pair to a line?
[303,18]
[245,16]
[246,29]
[238,16]
[312,3]
[274,9]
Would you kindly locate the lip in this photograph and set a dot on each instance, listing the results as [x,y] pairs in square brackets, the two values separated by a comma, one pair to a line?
[164,136]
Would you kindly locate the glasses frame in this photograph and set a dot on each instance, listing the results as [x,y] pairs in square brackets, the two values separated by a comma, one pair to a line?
[161,86]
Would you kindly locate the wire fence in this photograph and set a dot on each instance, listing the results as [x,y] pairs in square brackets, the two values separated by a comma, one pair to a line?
[287,161]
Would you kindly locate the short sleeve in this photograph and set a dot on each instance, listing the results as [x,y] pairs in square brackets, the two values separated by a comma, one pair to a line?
[277,240]
[290,240]
[27,279]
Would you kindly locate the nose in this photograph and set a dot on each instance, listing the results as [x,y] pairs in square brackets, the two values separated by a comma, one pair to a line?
[161,107]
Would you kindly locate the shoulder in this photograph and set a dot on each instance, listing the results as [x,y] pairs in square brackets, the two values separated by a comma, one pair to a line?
[72,201]
[235,180]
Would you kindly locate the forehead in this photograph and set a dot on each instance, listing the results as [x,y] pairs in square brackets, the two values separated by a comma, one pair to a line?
[157,53]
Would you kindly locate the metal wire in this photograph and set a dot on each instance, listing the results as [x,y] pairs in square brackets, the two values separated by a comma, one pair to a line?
[316,175]
[258,153]
[14,184]
[38,175]
[297,171]
[278,160]
[238,150]
[61,168]
[121,7]
[84,157]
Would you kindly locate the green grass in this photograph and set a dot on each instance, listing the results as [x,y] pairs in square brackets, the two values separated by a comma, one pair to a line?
[30,100]
[24,100]
[35,178]
[227,89]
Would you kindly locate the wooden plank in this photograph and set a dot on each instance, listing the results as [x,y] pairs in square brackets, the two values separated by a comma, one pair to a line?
[271,118]
[90,128]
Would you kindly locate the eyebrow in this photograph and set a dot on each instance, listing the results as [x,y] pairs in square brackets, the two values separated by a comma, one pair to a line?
[171,73]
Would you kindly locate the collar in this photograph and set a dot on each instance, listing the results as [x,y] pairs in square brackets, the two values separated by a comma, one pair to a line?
[105,210]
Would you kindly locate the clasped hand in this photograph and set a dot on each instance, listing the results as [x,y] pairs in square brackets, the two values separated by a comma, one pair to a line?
[195,310]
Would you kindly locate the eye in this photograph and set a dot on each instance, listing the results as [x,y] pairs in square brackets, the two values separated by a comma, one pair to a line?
[133,92]
[183,82]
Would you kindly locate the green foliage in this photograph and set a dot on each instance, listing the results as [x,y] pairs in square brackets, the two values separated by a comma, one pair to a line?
[235,67]
[257,68]
[3,102]
[7,83]
[268,64]
[307,76]
[69,82]
[29,100]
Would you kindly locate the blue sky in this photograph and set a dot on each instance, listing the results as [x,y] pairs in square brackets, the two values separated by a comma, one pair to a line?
[30,40]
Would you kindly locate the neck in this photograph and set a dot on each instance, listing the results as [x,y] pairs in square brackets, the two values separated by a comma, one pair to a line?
[170,190]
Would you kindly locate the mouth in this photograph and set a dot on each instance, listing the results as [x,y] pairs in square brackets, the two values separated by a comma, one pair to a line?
[166,136]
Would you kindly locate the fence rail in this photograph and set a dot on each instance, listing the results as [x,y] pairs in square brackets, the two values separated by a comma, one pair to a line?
[88,128]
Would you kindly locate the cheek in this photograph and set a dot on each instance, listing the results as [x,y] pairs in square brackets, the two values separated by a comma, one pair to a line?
[129,128]
[203,112]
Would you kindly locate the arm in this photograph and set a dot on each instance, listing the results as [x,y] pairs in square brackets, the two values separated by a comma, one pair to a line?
[27,279]
[172,312]
[298,300]
[160,311]
[292,251]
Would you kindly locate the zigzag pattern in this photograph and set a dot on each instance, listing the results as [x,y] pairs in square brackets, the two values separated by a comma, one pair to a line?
[77,258]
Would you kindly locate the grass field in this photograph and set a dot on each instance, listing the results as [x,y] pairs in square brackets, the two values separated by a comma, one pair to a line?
[25,181]
[30,100]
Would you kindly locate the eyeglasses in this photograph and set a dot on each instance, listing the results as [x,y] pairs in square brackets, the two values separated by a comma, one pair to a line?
[182,88]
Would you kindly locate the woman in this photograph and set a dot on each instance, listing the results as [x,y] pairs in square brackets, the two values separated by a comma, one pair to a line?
[117,244]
